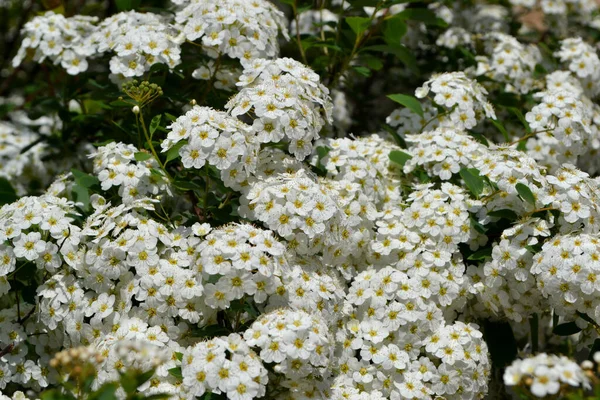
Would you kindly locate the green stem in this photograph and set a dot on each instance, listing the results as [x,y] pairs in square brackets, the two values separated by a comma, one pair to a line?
[149,141]
[534,329]
[298,40]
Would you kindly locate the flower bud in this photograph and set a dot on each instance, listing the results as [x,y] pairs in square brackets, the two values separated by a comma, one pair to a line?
[135,110]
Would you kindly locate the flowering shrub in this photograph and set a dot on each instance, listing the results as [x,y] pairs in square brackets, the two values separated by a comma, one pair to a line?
[299,200]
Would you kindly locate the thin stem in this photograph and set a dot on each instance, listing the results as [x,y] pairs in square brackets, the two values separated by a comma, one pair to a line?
[434,118]
[530,135]
[298,40]
[149,141]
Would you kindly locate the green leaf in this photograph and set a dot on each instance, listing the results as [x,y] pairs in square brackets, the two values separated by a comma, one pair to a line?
[422,14]
[481,254]
[399,157]
[142,156]
[358,24]
[473,180]
[179,355]
[173,152]
[399,51]
[408,101]
[83,179]
[176,372]
[521,118]
[362,70]
[126,5]
[154,124]
[394,30]
[525,193]
[501,128]
[55,394]
[504,213]
[566,329]
[7,192]
[105,392]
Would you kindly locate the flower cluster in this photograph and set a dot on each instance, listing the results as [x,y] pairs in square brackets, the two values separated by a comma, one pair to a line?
[297,343]
[287,101]
[116,165]
[545,374]
[511,62]
[462,97]
[241,260]
[298,209]
[213,137]
[139,41]
[64,41]
[223,365]
[239,29]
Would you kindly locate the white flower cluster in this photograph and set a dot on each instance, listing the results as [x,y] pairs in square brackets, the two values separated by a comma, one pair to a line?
[139,41]
[225,76]
[443,152]
[568,273]
[582,60]
[239,29]
[396,342]
[241,260]
[37,230]
[64,41]
[297,343]
[463,98]
[364,161]
[116,165]
[407,122]
[545,374]
[287,101]
[565,120]
[299,209]
[224,365]
[511,62]
[218,139]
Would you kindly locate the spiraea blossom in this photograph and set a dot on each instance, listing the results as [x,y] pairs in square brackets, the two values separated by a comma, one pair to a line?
[64,41]
[138,41]
[206,136]
[236,28]
[463,98]
[287,100]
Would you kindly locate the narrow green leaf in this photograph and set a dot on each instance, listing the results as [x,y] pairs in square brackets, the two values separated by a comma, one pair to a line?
[473,180]
[142,156]
[358,24]
[362,70]
[501,128]
[399,157]
[525,193]
[521,118]
[407,101]
[155,123]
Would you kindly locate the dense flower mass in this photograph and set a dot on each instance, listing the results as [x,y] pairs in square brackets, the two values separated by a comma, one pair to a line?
[292,200]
